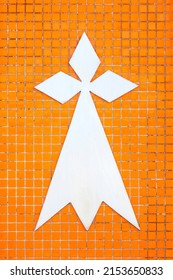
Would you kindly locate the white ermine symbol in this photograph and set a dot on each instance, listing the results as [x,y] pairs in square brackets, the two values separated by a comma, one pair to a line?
[86,173]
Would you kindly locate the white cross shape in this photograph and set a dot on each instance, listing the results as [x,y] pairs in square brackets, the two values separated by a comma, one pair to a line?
[86,173]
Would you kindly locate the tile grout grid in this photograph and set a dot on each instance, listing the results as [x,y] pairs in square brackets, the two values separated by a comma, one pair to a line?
[133,39]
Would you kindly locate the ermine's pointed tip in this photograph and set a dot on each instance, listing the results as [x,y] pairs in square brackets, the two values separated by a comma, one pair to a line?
[136,225]
[87,226]
[37,226]
[135,85]
[84,36]
[37,87]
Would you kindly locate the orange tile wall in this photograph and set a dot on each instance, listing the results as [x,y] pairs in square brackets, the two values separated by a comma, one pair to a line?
[132,38]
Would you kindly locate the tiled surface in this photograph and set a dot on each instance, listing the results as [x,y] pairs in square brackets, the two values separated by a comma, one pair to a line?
[132,38]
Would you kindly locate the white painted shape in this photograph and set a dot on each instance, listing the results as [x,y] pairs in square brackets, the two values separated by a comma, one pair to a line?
[60,86]
[86,173]
[84,59]
[110,86]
